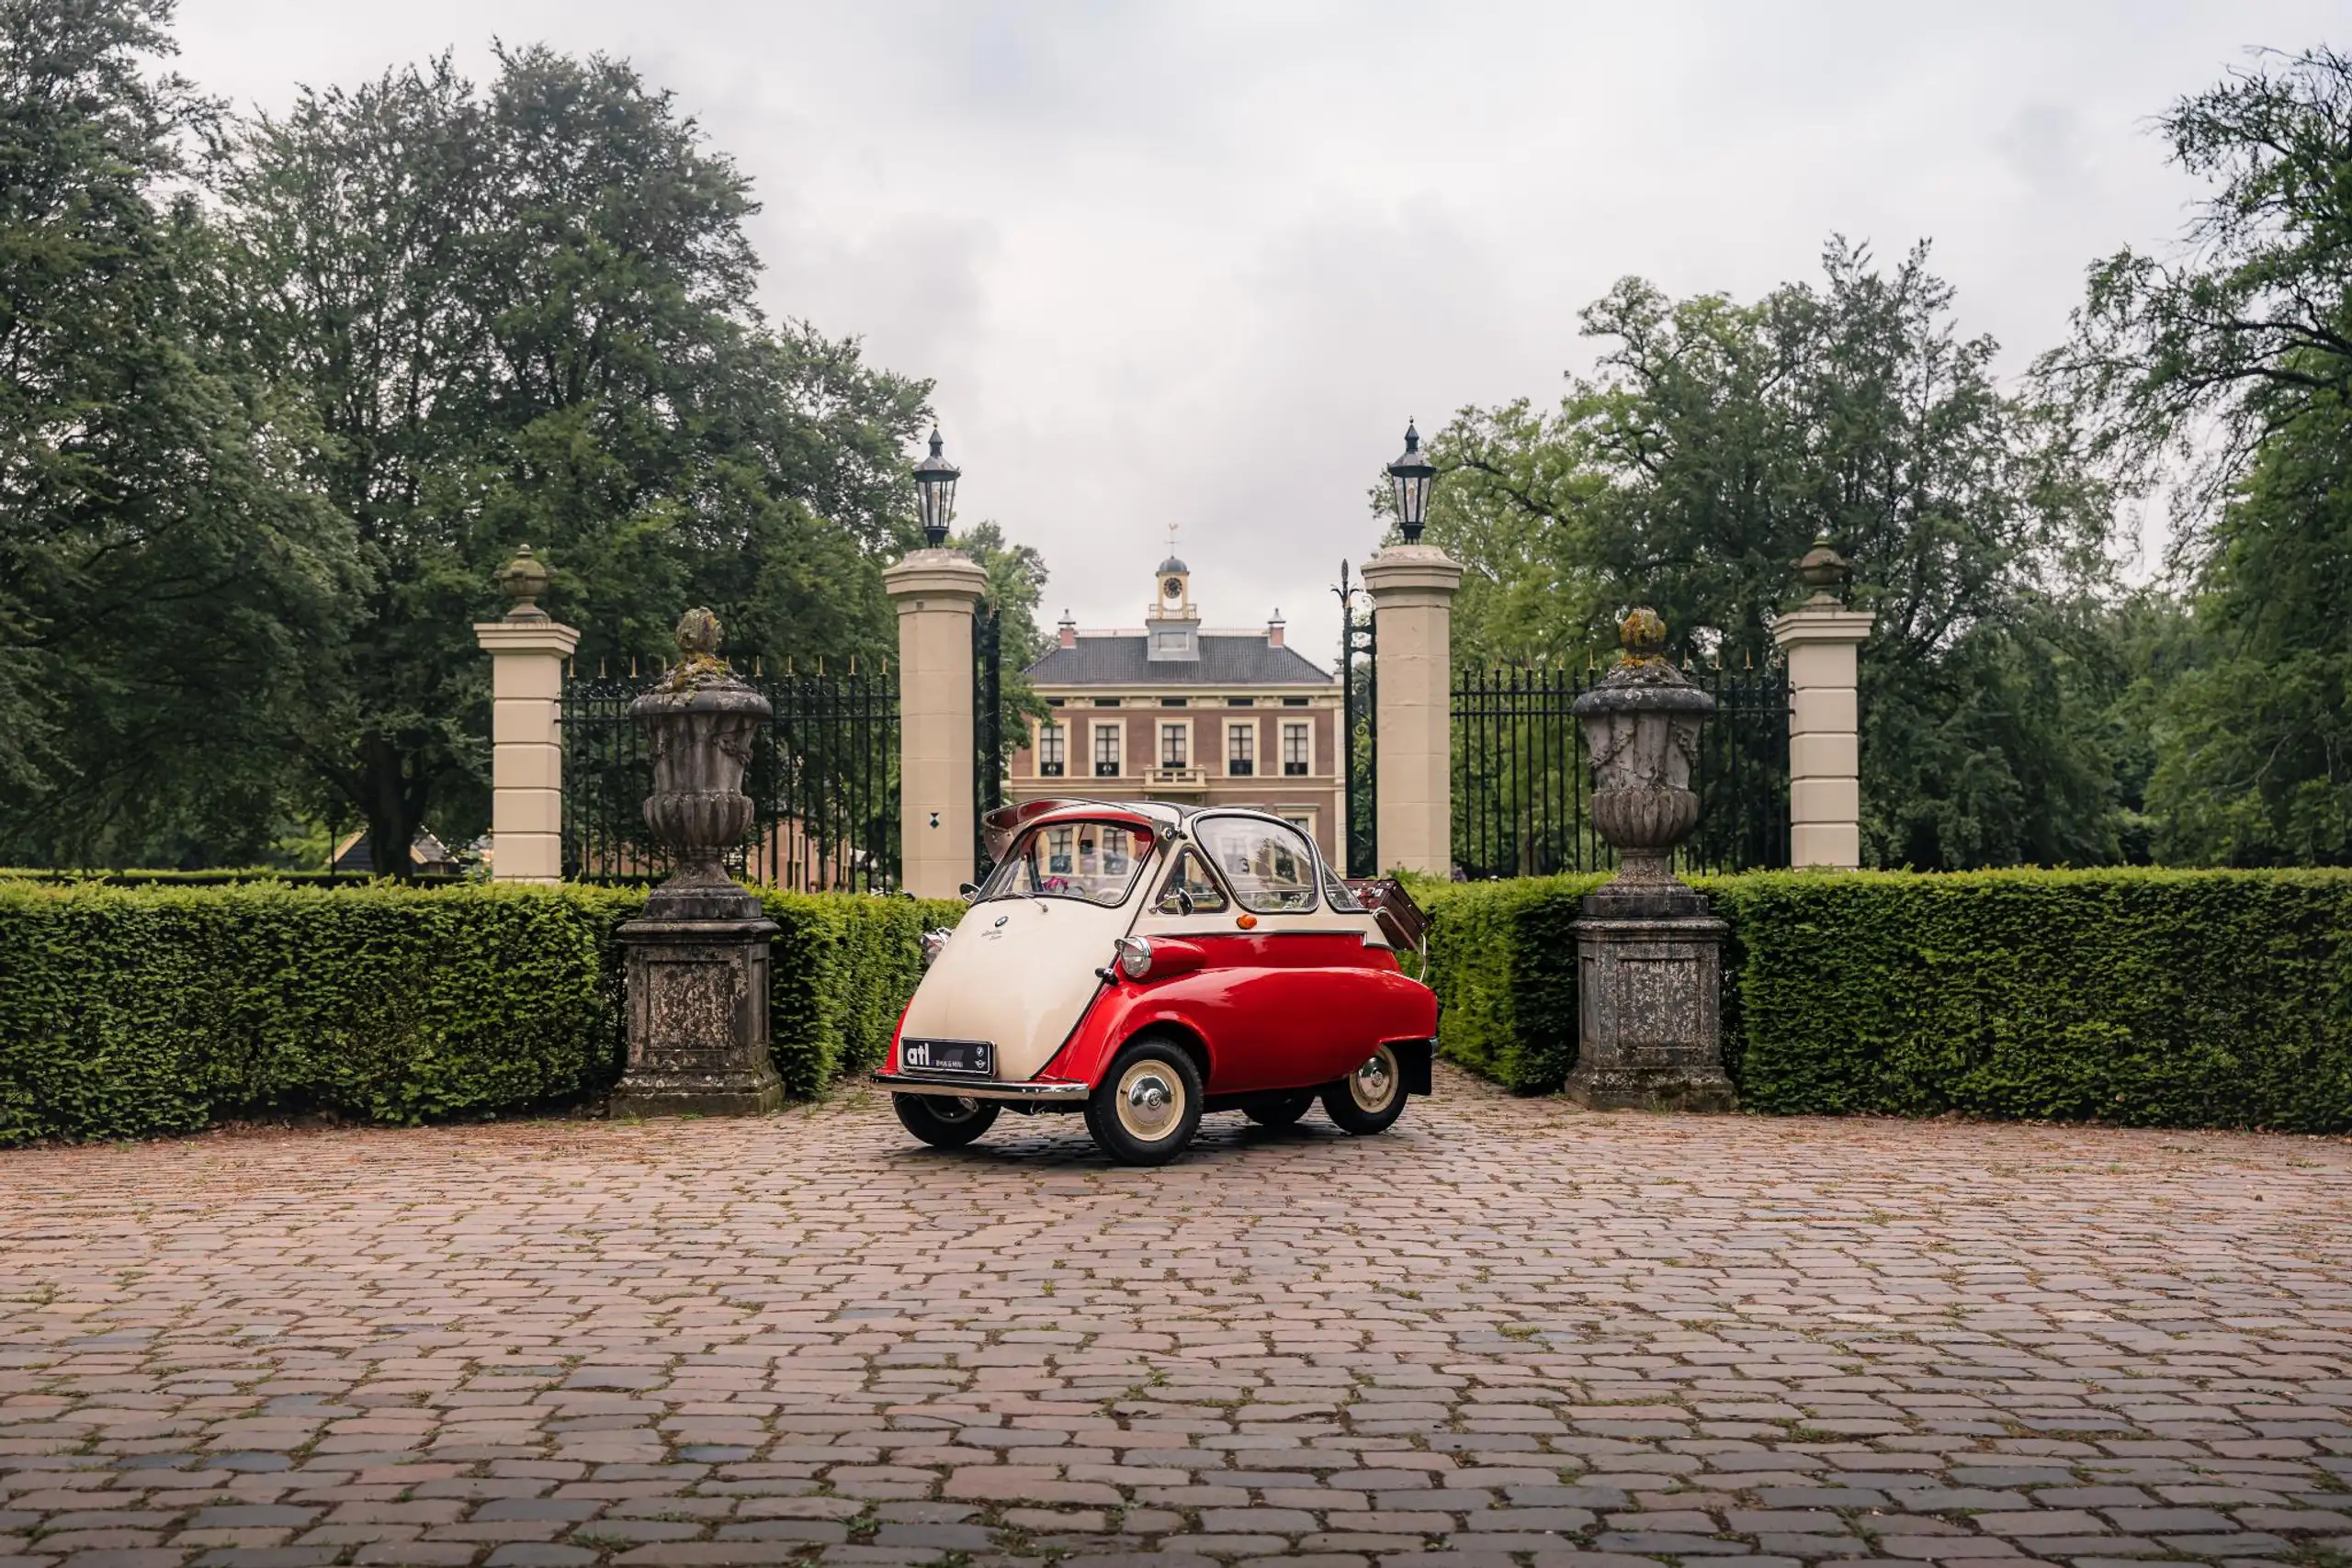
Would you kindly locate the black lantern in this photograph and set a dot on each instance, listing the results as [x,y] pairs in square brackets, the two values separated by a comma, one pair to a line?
[935,480]
[1410,477]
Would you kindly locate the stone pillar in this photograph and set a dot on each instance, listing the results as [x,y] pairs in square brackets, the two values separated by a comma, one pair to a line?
[1412,589]
[936,592]
[1820,639]
[527,652]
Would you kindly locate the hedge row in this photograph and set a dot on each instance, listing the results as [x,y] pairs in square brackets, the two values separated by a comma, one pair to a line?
[2152,998]
[128,1012]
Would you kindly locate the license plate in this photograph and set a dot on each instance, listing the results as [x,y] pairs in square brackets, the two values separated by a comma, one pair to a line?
[974,1056]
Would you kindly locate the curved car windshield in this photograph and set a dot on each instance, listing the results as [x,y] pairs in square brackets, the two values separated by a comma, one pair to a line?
[1094,861]
[1268,864]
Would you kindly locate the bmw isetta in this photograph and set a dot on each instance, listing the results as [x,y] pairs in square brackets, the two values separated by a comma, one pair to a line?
[1142,964]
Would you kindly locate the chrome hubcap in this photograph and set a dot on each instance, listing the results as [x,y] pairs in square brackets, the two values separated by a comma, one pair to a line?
[1374,1085]
[1150,1100]
[960,1109]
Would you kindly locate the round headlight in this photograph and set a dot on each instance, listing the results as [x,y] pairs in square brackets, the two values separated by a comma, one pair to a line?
[933,942]
[1134,956]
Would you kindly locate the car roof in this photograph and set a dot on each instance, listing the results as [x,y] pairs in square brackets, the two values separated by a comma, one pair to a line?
[1168,813]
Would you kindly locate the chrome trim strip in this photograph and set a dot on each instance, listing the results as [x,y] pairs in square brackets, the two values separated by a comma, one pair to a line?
[898,1083]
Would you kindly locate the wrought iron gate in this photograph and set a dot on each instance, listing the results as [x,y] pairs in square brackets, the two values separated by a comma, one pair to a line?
[1358,731]
[823,782]
[1522,789]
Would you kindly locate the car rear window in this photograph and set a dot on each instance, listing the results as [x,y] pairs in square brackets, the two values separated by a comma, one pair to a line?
[1268,866]
[1094,861]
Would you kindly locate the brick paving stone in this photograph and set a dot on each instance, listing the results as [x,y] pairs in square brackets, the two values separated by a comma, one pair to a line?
[1507,1333]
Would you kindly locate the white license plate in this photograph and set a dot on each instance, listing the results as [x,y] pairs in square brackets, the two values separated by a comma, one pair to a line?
[976,1058]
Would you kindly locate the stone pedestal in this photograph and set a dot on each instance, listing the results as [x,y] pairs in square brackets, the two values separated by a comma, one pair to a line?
[1649,989]
[1412,589]
[699,1019]
[698,956]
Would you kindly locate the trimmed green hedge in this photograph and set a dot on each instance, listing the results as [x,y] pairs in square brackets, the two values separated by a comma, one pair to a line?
[134,1011]
[2154,997]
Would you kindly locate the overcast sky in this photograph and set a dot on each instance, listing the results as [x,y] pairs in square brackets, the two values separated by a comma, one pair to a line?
[1197,263]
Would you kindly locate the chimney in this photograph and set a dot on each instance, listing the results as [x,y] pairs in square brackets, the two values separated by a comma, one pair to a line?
[1068,628]
[1274,630]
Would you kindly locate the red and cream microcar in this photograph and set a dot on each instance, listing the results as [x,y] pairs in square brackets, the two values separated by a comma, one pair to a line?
[1146,963]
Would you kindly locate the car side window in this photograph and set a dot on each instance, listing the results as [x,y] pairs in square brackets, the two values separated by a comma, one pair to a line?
[1200,893]
[1343,897]
[1268,864]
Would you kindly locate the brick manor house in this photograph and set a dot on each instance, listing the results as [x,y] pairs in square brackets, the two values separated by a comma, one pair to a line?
[1178,712]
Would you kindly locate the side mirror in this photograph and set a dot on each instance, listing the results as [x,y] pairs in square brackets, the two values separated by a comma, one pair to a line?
[969,891]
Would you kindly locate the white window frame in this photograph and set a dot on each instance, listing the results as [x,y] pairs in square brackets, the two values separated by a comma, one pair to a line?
[1060,733]
[1284,725]
[1117,729]
[1249,728]
[1180,731]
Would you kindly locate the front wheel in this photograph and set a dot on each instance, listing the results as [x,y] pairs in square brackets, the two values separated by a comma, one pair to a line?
[944,1121]
[1149,1105]
[1369,1100]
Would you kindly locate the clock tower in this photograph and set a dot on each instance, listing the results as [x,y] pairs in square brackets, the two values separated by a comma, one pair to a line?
[1173,625]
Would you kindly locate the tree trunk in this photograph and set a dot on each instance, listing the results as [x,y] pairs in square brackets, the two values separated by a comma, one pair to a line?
[393,816]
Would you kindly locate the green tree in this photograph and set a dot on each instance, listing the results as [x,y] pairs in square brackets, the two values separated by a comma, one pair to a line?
[526,315]
[1719,440]
[2226,371]
[166,578]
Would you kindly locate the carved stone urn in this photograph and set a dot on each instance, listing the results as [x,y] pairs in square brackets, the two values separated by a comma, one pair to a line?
[698,956]
[699,721]
[1648,951]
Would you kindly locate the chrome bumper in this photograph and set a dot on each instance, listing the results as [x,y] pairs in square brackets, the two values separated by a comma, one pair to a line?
[954,1088]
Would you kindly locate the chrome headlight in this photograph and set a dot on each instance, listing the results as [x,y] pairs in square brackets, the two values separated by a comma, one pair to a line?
[931,943]
[1134,956]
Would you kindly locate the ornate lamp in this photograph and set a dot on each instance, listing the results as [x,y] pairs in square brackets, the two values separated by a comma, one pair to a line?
[935,480]
[1409,476]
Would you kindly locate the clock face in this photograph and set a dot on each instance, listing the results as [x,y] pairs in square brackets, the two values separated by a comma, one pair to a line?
[1173,588]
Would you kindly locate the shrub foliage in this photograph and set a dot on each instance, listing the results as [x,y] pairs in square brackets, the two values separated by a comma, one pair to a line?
[132,1012]
[2154,997]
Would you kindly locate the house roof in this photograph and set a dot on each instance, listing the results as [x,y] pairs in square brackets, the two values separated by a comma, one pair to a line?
[1246,660]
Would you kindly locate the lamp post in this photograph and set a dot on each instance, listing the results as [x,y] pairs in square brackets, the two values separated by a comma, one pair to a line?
[935,480]
[1409,478]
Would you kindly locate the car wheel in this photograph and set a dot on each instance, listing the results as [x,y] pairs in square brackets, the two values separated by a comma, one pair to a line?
[944,1122]
[1370,1098]
[1149,1105]
[1280,1112]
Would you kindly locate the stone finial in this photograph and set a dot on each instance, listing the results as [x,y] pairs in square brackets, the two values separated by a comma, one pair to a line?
[700,666]
[1825,571]
[1644,634]
[524,579]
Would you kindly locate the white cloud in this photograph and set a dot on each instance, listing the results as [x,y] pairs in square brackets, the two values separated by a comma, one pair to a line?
[1197,261]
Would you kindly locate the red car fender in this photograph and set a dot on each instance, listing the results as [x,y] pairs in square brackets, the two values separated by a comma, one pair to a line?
[1117,1014]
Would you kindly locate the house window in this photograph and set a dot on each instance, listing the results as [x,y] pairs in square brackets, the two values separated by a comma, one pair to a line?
[1052,749]
[1294,701]
[1241,702]
[1241,749]
[1173,701]
[1059,862]
[1106,751]
[1294,756]
[1175,751]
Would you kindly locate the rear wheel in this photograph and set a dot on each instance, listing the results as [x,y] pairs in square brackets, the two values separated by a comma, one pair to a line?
[1280,1112]
[1369,1100]
[1149,1105]
[944,1121]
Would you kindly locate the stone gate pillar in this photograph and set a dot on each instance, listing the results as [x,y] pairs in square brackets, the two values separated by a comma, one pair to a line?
[526,650]
[1821,640]
[936,591]
[1412,589]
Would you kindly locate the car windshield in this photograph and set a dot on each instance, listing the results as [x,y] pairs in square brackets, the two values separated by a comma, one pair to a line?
[1094,861]
[1268,864]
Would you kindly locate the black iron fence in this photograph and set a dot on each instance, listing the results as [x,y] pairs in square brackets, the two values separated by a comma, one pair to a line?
[823,782]
[1522,789]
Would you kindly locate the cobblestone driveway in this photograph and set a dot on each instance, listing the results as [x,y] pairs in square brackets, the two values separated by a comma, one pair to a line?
[1504,1333]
